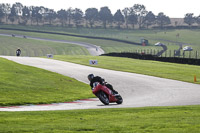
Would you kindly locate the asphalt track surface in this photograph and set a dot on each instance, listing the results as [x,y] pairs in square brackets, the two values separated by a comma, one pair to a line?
[137,90]
[92,49]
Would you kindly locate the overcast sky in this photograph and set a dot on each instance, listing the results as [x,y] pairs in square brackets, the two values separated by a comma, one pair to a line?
[171,8]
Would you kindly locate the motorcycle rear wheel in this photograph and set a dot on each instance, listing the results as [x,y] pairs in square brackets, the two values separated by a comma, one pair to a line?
[103,98]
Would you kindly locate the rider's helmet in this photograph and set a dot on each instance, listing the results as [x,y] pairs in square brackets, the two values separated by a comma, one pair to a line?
[90,77]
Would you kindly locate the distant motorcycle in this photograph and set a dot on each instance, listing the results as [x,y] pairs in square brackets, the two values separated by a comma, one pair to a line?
[106,95]
[18,52]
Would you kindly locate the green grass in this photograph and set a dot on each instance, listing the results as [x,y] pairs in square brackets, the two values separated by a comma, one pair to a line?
[188,36]
[165,36]
[20,84]
[181,72]
[107,46]
[32,47]
[184,119]
[111,33]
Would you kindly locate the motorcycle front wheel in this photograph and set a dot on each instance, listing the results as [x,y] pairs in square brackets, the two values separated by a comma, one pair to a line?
[103,98]
[120,100]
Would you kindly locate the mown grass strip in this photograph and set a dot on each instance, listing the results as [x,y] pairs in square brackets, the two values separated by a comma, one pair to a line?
[141,120]
[181,72]
[20,84]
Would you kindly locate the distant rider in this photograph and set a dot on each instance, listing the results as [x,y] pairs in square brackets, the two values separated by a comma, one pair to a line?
[94,79]
[18,52]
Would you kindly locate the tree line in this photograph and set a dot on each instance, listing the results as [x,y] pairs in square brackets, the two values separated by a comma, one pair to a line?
[190,19]
[135,15]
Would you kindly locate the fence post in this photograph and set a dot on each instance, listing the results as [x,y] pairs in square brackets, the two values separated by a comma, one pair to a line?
[174,53]
[196,54]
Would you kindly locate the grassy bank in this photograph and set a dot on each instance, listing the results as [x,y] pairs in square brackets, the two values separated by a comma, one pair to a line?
[182,72]
[168,37]
[185,35]
[107,46]
[138,120]
[32,47]
[20,84]
[131,35]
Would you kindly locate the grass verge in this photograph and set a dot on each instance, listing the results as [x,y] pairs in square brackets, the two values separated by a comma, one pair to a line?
[138,120]
[20,84]
[181,72]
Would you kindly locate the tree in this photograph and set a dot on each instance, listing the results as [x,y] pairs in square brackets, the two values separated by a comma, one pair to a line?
[189,19]
[70,13]
[141,12]
[44,12]
[126,14]
[31,8]
[91,15]
[105,15]
[2,14]
[16,12]
[119,18]
[149,19]
[162,20]
[77,16]
[50,15]
[133,19]
[6,10]
[18,9]
[63,16]
[36,13]
[13,14]
[198,20]
[25,14]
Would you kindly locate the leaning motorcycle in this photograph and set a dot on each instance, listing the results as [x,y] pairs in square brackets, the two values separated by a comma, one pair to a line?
[106,95]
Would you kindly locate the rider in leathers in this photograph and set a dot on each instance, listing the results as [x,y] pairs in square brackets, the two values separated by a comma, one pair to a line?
[94,79]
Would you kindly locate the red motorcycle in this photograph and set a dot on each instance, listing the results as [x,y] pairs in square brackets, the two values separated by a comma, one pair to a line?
[106,95]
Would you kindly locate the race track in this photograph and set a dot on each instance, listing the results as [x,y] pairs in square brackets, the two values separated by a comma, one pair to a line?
[137,90]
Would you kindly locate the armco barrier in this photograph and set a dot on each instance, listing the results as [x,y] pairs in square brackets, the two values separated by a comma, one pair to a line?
[152,57]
